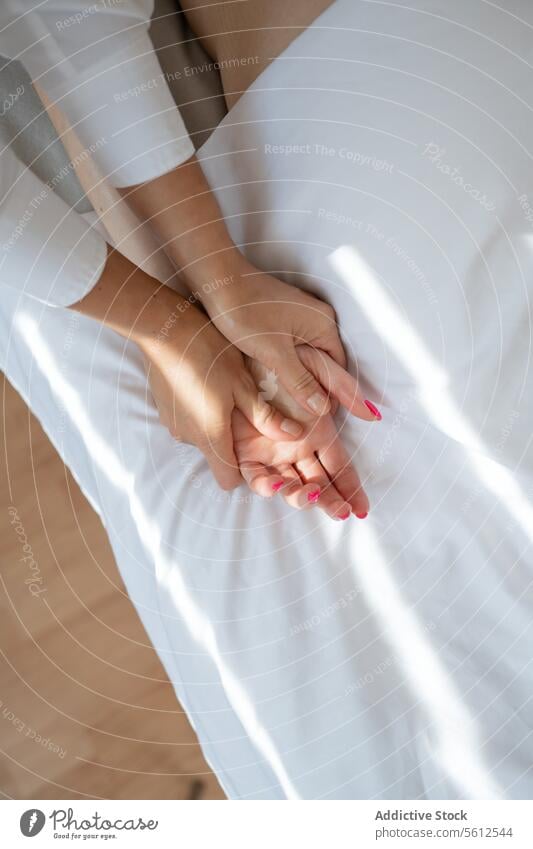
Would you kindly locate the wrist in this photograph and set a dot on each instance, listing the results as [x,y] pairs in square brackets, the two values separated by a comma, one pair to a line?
[168,317]
[219,281]
[159,314]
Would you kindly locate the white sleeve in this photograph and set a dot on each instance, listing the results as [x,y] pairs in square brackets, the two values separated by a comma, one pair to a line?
[46,249]
[97,61]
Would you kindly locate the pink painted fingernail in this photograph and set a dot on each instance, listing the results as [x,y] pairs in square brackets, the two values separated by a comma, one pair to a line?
[374,410]
[361,515]
[313,496]
[277,486]
[345,516]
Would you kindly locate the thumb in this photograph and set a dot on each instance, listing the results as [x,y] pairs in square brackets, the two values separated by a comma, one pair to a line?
[301,384]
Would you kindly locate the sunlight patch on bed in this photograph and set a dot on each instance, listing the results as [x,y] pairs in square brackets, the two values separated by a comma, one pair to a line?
[431,381]
[168,575]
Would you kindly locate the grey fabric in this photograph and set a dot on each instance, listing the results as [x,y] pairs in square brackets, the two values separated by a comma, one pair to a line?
[25,126]
[190,72]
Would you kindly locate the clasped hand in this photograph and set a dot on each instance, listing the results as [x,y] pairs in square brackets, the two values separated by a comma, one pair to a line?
[265,417]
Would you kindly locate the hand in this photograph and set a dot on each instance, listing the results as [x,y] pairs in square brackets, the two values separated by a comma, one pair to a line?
[314,469]
[197,378]
[268,319]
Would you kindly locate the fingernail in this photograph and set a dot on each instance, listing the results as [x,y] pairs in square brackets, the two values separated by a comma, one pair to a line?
[374,410]
[318,403]
[361,515]
[288,426]
[277,486]
[341,511]
[313,496]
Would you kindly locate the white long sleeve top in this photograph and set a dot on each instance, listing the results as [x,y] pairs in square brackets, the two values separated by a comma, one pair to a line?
[98,64]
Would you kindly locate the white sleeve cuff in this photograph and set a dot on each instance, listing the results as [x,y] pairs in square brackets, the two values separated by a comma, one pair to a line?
[47,250]
[125,115]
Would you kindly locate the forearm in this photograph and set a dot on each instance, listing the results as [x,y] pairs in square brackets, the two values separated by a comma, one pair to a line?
[185,215]
[132,303]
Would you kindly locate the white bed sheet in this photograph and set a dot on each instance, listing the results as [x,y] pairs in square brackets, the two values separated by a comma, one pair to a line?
[390,658]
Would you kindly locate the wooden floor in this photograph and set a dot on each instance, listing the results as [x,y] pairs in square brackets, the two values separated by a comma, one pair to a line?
[85,707]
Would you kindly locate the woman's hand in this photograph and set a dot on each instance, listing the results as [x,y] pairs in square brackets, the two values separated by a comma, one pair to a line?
[315,469]
[196,376]
[268,319]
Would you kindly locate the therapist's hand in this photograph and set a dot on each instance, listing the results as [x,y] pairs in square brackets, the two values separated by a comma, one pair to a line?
[196,376]
[267,319]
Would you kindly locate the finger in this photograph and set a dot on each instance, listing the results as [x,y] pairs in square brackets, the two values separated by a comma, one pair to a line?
[267,420]
[296,493]
[341,472]
[334,347]
[219,453]
[338,382]
[261,480]
[301,384]
[331,500]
